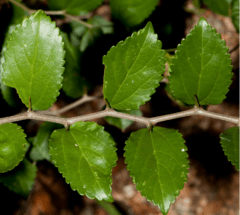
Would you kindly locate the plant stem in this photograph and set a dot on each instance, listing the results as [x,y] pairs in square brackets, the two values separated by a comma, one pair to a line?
[74,18]
[80,101]
[171,50]
[20,5]
[61,12]
[109,207]
[111,112]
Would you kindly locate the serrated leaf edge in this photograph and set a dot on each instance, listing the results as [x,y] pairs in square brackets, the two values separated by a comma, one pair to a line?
[69,182]
[179,50]
[21,27]
[177,192]
[24,135]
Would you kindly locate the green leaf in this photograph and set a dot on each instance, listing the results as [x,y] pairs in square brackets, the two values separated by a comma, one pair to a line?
[235,14]
[84,37]
[75,7]
[230,143]
[77,30]
[21,179]
[12,146]
[122,123]
[85,155]
[133,70]
[34,61]
[219,6]
[201,67]
[105,25]
[9,94]
[73,84]
[40,150]
[132,12]
[157,161]
[90,36]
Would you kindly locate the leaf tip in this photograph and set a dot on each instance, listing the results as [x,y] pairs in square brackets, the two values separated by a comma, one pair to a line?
[202,22]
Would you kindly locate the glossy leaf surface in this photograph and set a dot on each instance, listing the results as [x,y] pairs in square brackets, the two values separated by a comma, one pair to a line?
[219,6]
[202,67]
[235,14]
[9,94]
[132,12]
[40,149]
[21,179]
[133,70]
[122,123]
[34,61]
[73,83]
[230,143]
[12,146]
[85,155]
[75,7]
[157,161]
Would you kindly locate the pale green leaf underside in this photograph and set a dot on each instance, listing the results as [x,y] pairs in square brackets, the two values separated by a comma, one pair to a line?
[21,179]
[202,67]
[40,149]
[219,6]
[235,14]
[90,36]
[122,123]
[230,143]
[133,70]
[132,12]
[157,162]
[34,61]
[85,155]
[12,146]
[73,83]
[75,7]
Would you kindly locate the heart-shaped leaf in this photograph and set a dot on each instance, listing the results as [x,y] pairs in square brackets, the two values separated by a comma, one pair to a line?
[201,67]
[133,70]
[85,155]
[34,61]
[157,162]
